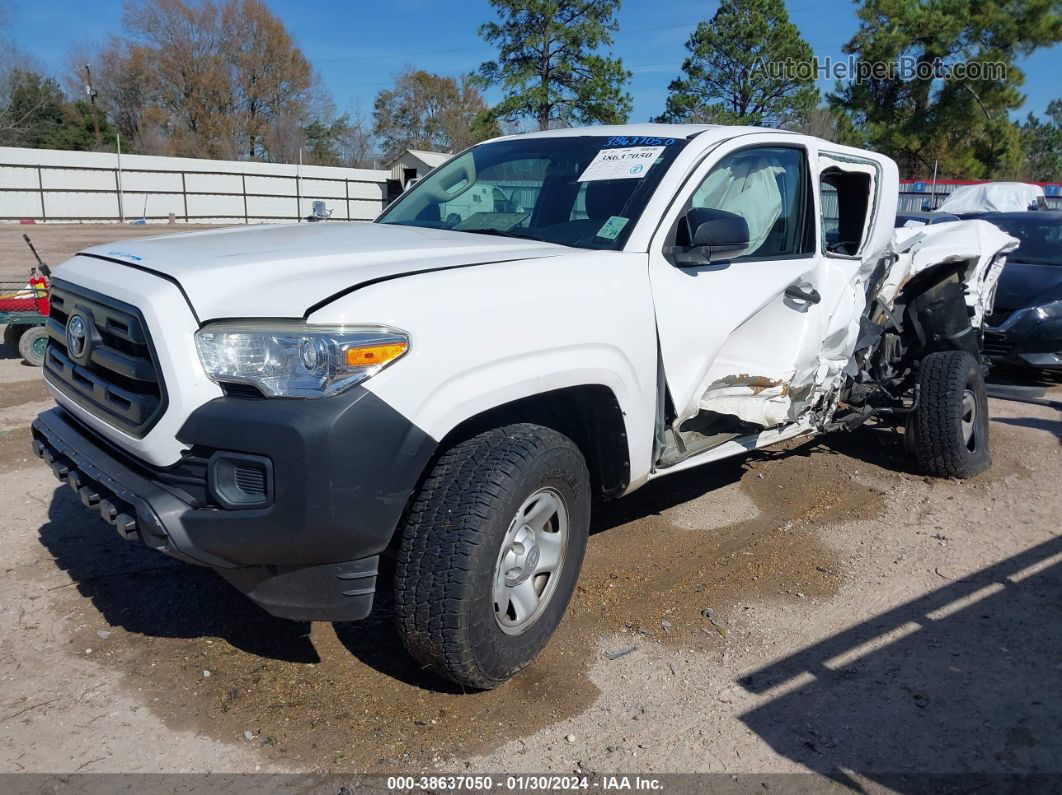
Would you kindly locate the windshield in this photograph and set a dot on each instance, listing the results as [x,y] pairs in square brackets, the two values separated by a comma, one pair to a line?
[1041,238]
[582,191]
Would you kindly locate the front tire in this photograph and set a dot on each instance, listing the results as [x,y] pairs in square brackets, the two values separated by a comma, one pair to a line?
[950,423]
[33,345]
[490,553]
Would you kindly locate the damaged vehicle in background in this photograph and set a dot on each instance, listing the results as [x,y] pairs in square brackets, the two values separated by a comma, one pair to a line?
[922,218]
[542,321]
[977,200]
[1025,326]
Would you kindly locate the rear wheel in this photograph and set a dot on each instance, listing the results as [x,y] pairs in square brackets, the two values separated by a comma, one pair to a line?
[490,553]
[950,423]
[33,345]
[11,336]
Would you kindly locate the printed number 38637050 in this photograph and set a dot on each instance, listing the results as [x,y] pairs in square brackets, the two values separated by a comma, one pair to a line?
[637,140]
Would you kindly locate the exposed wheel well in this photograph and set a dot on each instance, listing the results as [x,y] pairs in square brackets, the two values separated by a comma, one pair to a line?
[589,415]
[935,312]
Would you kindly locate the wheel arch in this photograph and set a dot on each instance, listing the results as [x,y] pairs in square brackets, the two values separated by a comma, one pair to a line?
[936,310]
[588,414]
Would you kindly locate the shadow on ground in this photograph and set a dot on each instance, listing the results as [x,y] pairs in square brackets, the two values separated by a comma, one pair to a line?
[375,642]
[1026,377]
[1036,423]
[11,353]
[304,696]
[658,496]
[881,445]
[963,680]
[148,594]
[145,592]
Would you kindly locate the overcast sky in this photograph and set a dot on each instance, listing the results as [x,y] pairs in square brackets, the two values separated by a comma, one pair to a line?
[357,45]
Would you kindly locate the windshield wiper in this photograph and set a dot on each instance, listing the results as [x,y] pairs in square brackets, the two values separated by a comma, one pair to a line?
[498,233]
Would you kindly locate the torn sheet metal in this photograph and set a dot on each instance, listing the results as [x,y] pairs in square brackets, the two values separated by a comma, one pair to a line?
[758,399]
[775,399]
[979,244]
[982,245]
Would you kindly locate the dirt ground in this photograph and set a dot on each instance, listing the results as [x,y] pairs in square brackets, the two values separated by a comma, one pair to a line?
[815,608]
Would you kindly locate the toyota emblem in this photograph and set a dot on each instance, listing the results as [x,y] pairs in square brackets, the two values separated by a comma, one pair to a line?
[77,336]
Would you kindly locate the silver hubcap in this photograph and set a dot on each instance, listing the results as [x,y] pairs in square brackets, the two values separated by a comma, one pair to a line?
[969,419]
[530,561]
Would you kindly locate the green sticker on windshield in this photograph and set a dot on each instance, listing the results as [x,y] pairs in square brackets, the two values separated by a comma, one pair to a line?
[612,227]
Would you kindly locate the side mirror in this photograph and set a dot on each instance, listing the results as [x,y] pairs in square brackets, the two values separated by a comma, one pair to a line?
[713,235]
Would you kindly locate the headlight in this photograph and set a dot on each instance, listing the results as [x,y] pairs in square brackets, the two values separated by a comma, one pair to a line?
[295,359]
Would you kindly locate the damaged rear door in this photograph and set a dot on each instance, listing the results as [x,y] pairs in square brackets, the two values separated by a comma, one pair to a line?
[737,335]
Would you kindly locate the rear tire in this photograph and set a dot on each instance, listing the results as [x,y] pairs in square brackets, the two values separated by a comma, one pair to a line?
[33,345]
[490,552]
[950,423]
[11,336]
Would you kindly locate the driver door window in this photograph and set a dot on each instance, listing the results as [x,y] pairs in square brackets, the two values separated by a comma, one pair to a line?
[768,187]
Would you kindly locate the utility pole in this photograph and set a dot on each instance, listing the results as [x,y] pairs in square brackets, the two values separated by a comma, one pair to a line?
[92,98]
[298,188]
[118,179]
[933,203]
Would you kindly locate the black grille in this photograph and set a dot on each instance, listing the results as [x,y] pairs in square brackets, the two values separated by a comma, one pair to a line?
[118,380]
[998,317]
[250,480]
[996,344]
[239,480]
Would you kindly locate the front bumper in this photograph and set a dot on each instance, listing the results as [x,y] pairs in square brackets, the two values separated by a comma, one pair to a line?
[342,472]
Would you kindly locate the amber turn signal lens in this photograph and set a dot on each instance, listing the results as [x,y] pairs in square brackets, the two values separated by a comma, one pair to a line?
[371,355]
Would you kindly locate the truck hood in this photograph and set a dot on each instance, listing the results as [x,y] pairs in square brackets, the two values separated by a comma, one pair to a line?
[285,270]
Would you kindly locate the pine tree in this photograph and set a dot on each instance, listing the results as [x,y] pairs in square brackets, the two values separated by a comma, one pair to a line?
[1042,145]
[937,81]
[748,65]
[548,64]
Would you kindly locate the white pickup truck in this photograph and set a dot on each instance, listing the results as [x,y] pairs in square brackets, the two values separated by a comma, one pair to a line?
[542,321]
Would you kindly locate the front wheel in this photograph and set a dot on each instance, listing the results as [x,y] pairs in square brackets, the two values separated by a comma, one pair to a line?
[33,345]
[950,422]
[490,553]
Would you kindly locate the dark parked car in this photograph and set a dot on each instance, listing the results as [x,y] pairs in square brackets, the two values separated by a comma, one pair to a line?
[923,217]
[1025,327]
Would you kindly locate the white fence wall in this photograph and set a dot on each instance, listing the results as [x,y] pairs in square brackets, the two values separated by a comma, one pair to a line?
[49,185]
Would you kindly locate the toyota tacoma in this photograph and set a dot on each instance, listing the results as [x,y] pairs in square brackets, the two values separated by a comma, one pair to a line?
[543,321]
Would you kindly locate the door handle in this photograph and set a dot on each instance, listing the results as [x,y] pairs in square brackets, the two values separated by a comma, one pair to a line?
[803,292]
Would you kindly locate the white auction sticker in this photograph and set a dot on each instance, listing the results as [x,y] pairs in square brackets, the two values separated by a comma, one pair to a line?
[628,162]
